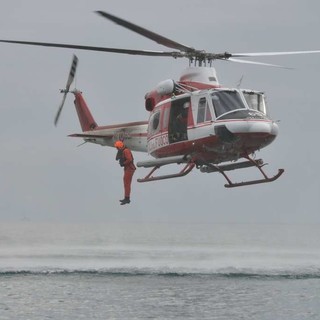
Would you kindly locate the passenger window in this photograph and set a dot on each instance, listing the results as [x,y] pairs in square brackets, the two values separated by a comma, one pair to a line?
[154,123]
[208,113]
[204,113]
[165,120]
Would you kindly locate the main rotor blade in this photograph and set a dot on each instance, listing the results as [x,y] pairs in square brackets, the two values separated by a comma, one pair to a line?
[255,62]
[175,54]
[146,33]
[265,54]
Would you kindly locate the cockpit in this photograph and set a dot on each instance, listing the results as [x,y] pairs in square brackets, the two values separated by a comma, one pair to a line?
[238,104]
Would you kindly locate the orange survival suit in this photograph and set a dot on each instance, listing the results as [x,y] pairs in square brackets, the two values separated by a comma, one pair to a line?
[125,158]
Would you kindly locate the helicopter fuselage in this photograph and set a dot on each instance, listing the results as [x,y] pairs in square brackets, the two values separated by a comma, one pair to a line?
[216,125]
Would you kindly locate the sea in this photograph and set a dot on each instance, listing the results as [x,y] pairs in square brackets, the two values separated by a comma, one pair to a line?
[159,271]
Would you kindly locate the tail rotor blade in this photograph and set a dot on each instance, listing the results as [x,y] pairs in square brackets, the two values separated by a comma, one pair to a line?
[71,76]
[60,108]
[72,72]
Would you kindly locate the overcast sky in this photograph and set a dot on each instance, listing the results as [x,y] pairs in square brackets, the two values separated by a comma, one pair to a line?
[45,176]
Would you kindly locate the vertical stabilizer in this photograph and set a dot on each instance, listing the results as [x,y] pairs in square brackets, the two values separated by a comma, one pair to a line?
[86,119]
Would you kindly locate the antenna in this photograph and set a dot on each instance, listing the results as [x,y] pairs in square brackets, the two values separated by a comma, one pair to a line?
[239,82]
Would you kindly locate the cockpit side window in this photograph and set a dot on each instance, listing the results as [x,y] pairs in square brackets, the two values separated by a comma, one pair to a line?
[256,101]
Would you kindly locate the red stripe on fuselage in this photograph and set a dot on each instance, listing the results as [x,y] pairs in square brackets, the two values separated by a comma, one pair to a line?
[214,149]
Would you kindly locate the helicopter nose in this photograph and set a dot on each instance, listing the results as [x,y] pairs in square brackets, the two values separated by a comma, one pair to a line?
[266,127]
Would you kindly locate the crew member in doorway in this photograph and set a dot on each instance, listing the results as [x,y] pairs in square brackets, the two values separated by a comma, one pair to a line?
[181,124]
[125,158]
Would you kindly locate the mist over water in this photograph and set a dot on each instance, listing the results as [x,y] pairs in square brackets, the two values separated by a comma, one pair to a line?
[159,271]
[160,248]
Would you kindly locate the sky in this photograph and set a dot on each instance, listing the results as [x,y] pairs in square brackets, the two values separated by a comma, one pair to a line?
[45,176]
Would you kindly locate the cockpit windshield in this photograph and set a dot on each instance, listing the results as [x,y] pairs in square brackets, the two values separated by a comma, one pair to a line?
[226,101]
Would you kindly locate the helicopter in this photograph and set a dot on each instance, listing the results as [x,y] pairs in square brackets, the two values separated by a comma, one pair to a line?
[194,121]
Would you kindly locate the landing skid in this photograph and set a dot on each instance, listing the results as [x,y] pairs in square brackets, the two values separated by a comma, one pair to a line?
[208,168]
[248,183]
[250,163]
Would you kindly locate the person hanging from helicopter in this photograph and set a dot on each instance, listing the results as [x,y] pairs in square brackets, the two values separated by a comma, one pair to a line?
[125,158]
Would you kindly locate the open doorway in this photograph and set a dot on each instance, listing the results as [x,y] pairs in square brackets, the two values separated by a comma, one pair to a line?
[178,121]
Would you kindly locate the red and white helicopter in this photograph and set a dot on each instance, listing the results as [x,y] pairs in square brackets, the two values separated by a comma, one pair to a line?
[193,121]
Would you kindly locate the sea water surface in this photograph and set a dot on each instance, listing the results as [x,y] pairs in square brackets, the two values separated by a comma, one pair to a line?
[159,271]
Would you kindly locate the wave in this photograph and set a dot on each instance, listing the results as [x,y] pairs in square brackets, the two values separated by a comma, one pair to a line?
[220,261]
[168,263]
[222,273]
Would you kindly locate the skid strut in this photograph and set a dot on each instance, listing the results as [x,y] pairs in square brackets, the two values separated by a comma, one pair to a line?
[186,169]
[250,163]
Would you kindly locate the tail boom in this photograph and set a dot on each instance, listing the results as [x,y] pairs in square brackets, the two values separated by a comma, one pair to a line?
[86,119]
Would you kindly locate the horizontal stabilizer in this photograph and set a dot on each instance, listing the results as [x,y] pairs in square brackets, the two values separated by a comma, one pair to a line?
[91,136]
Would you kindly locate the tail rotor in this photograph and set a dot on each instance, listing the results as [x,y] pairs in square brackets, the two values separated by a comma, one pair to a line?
[66,90]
